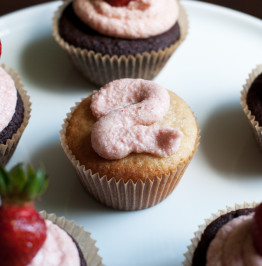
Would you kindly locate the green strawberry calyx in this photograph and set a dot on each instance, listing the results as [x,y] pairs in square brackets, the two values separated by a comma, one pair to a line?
[22,183]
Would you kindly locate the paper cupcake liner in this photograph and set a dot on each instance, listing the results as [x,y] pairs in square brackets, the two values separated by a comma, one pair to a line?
[201,228]
[122,195]
[83,238]
[256,129]
[7,149]
[101,69]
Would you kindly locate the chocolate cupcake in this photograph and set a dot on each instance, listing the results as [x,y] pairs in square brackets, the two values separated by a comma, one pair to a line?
[218,237]
[37,239]
[123,157]
[251,101]
[109,54]
[15,110]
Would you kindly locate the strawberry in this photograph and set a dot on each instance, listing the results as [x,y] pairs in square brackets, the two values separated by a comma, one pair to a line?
[118,2]
[257,229]
[22,229]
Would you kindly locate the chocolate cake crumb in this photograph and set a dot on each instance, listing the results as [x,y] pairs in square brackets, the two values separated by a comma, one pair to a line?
[15,123]
[254,99]
[80,253]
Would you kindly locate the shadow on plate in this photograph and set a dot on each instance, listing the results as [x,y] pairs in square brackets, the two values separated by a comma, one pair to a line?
[64,193]
[46,65]
[228,144]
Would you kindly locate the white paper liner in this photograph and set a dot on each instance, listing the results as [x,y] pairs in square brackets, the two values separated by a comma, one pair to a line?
[101,69]
[127,196]
[257,130]
[83,238]
[201,228]
[7,149]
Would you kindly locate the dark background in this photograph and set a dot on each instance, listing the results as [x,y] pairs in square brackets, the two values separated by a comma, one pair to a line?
[252,7]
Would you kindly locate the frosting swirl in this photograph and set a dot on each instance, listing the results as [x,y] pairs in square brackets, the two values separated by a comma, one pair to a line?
[137,19]
[127,110]
[233,244]
[58,249]
[8,98]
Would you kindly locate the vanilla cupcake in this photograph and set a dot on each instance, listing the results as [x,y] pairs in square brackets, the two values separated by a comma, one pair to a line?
[107,42]
[15,112]
[229,237]
[130,143]
[251,101]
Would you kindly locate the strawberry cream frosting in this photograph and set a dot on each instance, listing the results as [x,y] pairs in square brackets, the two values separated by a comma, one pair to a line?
[8,98]
[137,19]
[233,245]
[127,112]
[57,250]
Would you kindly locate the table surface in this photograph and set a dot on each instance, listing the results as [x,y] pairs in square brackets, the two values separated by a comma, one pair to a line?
[251,7]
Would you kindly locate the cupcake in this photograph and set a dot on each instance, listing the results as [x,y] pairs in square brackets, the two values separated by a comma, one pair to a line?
[251,101]
[15,112]
[230,237]
[130,142]
[114,39]
[29,238]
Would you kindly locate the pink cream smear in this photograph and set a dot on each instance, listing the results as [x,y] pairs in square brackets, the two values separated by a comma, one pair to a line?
[233,245]
[137,19]
[8,98]
[57,250]
[127,110]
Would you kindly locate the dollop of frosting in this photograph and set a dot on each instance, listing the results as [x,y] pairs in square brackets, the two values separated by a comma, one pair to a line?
[137,19]
[58,249]
[233,245]
[127,110]
[8,98]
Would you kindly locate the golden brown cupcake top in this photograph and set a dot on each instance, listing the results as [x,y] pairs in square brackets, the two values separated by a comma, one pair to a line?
[134,166]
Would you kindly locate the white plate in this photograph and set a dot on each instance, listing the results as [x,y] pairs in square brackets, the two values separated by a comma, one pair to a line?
[208,71]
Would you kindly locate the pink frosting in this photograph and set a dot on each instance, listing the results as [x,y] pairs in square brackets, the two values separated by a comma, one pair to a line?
[137,19]
[58,249]
[127,110]
[8,98]
[233,245]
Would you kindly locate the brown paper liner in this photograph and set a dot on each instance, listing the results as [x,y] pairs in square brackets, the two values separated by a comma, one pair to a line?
[201,228]
[85,242]
[7,149]
[257,130]
[101,69]
[127,196]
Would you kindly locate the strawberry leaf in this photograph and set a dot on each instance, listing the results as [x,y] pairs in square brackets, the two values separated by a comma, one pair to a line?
[2,186]
[41,175]
[4,181]
[18,178]
[37,183]
[19,185]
